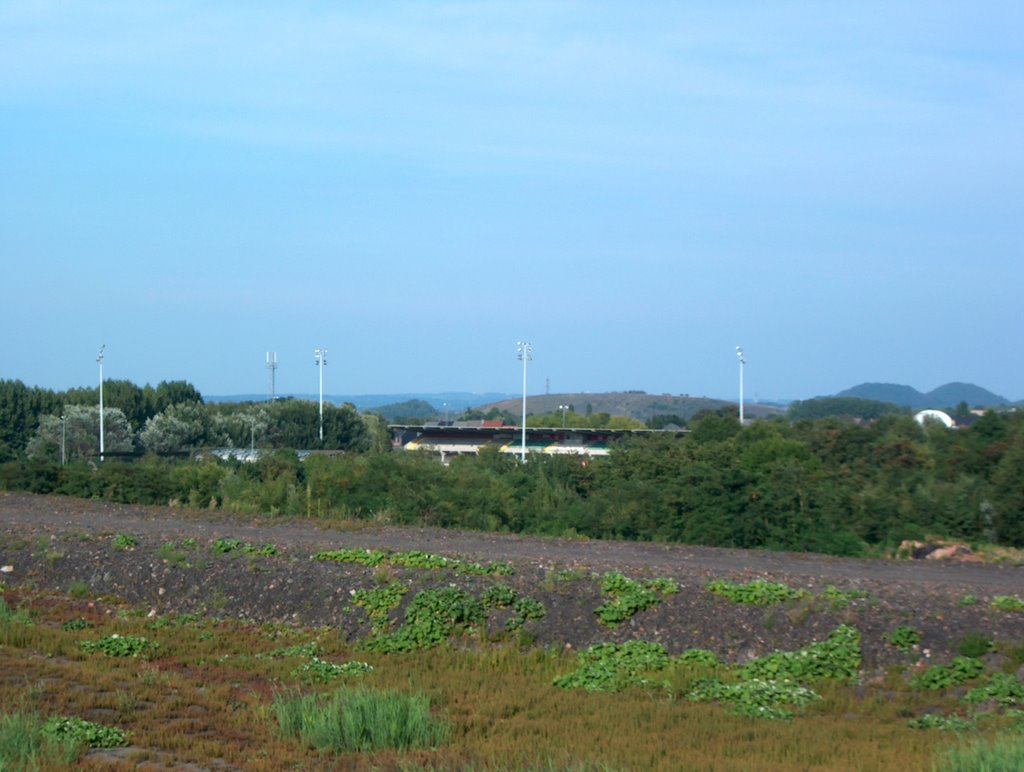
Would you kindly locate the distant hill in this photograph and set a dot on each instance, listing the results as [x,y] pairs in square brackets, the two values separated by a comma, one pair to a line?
[635,404]
[950,395]
[409,410]
[456,400]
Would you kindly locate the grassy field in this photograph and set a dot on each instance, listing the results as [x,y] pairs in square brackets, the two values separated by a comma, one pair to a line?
[203,691]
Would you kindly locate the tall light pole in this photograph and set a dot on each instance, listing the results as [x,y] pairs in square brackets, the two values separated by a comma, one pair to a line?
[320,356]
[739,356]
[563,408]
[63,438]
[272,366]
[100,360]
[524,352]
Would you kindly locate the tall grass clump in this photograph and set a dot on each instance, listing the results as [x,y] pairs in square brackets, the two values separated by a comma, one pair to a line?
[1003,754]
[362,719]
[24,744]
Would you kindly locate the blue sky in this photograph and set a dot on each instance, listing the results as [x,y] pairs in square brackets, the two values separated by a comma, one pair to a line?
[635,188]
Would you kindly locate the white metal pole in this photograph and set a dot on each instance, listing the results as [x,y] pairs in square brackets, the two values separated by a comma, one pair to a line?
[321,360]
[100,360]
[525,353]
[739,355]
[63,439]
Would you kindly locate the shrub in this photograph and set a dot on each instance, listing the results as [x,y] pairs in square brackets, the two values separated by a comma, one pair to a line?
[610,667]
[362,720]
[120,645]
[85,732]
[904,638]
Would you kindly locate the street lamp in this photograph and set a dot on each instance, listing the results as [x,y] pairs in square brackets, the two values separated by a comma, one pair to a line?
[524,352]
[100,360]
[563,408]
[739,356]
[320,356]
[63,439]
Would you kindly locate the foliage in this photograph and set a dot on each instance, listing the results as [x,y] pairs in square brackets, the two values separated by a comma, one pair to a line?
[840,599]
[611,667]
[754,698]
[701,657]
[904,637]
[1003,688]
[1007,603]
[844,407]
[837,658]
[432,616]
[758,592]
[223,546]
[960,670]
[630,596]
[821,485]
[84,732]
[124,541]
[366,557]
[362,720]
[116,645]
[379,602]
[321,670]
[937,721]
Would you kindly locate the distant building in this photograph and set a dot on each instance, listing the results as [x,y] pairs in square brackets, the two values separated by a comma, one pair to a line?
[468,437]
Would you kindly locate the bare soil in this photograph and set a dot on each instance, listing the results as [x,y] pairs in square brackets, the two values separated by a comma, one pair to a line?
[56,544]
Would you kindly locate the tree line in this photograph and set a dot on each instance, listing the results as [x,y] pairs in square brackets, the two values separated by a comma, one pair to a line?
[825,485]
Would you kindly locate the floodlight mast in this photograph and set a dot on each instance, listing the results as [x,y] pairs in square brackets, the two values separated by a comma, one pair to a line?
[524,352]
[739,356]
[272,367]
[320,356]
[563,408]
[100,360]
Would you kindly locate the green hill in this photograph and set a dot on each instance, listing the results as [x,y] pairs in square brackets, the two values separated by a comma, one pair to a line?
[949,395]
[635,404]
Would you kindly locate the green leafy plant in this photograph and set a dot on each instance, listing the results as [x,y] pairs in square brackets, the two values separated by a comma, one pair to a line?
[308,649]
[75,624]
[701,657]
[960,670]
[839,599]
[224,546]
[630,596]
[938,721]
[266,551]
[757,592]
[754,698]
[904,638]
[120,646]
[499,596]
[1002,688]
[837,658]
[431,617]
[364,557]
[1007,603]
[321,670]
[526,608]
[85,732]
[25,745]
[611,667]
[125,541]
[379,602]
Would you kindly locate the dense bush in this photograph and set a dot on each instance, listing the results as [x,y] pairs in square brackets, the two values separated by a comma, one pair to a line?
[825,486]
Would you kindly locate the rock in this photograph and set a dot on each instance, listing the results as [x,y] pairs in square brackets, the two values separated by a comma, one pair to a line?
[950,551]
[6,569]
